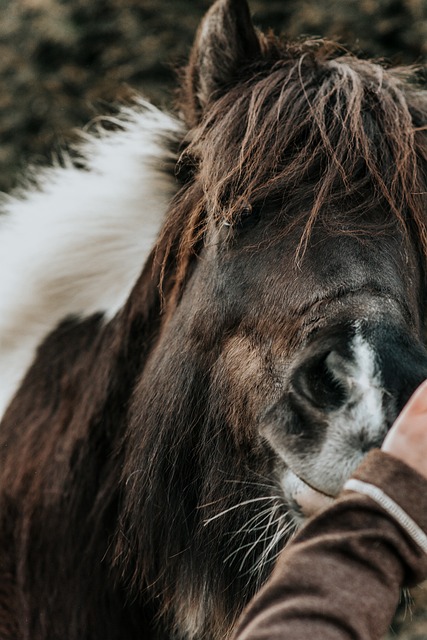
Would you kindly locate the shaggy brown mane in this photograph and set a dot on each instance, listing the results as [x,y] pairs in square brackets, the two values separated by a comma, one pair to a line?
[302,111]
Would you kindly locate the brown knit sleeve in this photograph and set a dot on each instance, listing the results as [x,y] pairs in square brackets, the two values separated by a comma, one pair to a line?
[341,576]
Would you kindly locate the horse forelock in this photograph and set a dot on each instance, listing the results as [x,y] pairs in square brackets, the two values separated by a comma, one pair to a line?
[309,110]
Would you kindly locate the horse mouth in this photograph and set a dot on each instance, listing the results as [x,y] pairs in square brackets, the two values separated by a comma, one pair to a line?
[307,498]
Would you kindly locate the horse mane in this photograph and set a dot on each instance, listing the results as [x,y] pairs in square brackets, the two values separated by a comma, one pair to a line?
[306,110]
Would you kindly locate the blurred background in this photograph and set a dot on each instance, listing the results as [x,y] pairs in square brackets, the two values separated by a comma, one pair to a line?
[64,61]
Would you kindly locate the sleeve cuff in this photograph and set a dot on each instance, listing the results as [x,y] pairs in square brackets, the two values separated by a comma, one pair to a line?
[398,488]
[392,508]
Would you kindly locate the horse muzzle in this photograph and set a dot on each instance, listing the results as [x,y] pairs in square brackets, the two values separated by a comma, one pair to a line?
[345,389]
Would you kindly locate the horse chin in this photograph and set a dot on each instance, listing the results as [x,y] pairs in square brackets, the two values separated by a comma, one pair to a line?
[305,500]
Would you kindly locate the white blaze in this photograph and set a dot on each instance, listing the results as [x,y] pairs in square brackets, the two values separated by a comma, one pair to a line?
[349,430]
[76,244]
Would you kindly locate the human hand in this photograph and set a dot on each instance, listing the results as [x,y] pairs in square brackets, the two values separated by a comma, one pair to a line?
[407,438]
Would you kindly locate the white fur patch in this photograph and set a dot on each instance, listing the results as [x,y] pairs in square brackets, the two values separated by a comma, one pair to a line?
[359,422]
[365,389]
[77,243]
[351,429]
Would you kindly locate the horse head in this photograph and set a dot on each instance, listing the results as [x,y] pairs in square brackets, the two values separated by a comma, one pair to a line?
[310,167]
[294,318]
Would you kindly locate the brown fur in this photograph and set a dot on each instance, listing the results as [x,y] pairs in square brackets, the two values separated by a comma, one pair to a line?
[134,471]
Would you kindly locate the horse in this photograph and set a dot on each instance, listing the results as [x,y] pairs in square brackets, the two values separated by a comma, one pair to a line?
[205,325]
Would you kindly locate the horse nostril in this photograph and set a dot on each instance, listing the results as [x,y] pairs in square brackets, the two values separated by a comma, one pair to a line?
[318,381]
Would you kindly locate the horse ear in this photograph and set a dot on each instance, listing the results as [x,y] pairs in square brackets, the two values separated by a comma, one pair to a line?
[226,38]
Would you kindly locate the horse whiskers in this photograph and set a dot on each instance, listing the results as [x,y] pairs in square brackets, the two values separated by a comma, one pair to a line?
[236,506]
[268,483]
[248,526]
[237,551]
[251,484]
[266,558]
[256,542]
[274,542]
[283,530]
[263,522]
[209,504]
[258,521]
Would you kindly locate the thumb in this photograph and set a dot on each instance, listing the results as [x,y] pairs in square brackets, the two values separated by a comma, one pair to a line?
[416,405]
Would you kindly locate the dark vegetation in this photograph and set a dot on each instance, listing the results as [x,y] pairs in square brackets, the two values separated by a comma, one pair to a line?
[64,61]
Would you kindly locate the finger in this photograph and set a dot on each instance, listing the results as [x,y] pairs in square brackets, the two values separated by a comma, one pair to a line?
[416,404]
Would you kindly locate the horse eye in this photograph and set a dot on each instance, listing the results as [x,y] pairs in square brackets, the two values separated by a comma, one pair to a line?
[248,216]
